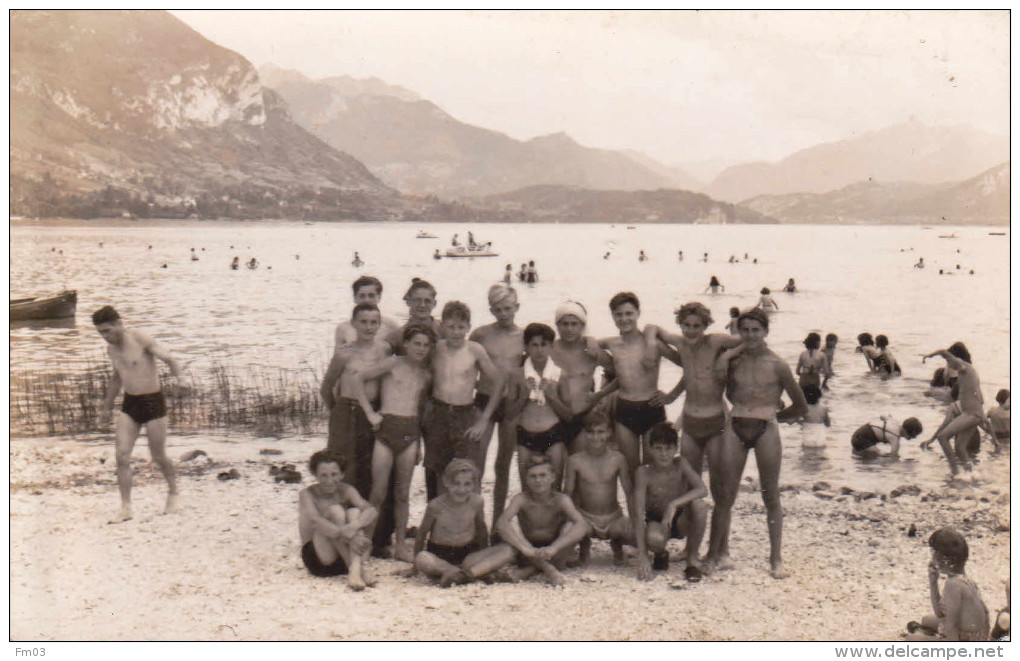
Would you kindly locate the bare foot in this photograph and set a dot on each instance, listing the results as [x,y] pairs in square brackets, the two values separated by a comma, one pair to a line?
[402,553]
[779,571]
[455,577]
[172,504]
[123,515]
[521,573]
[722,563]
[368,577]
[355,582]
[554,577]
[617,547]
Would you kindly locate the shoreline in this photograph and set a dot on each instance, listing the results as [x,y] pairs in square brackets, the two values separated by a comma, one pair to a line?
[227,567]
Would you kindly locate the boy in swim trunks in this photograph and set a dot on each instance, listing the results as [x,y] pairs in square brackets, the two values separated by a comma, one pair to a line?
[452,426]
[404,380]
[332,519]
[959,613]
[866,438]
[350,432]
[971,402]
[577,355]
[452,532]
[548,527]
[636,365]
[591,480]
[668,503]
[133,357]
[537,394]
[755,380]
[367,289]
[704,415]
[504,342]
[998,418]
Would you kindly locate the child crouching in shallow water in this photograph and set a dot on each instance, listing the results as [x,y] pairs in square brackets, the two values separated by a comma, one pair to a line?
[454,527]
[960,614]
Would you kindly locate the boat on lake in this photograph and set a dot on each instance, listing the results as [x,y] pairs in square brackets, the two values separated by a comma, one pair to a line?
[462,251]
[425,235]
[61,306]
[948,236]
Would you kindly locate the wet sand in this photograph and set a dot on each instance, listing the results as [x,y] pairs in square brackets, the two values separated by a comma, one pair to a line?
[227,566]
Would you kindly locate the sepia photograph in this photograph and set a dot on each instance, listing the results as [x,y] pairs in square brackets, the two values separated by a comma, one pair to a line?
[510,325]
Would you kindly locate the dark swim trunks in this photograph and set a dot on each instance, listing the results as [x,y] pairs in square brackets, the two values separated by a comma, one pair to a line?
[702,429]
[144,408]
[350,435]
[865,437]
[572,428]
[399,432]
[452,554]
[443,429]
[749,430]
[315,566]
[674,528]
[638,417]
[539,441]
[482,400]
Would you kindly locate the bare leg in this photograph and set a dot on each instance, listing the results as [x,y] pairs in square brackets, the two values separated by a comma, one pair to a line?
[769,455]
[960,425]
[155,431]
[127,433]
[695,515]
[620,532]
[329,548]
[726,459]
[692,452]
[382,463]
[433,566]
[558,455]
[507,439]
[523,458]
[357,574]
[656,537]
[483,451]
[401,496]
[629,447]
[486,561]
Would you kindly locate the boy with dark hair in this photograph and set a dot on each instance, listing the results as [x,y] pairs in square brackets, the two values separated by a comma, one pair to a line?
[367,289]
[668,503]
[830,350]
[350,432]
[453,527]
[592,477]
[332,519]
[133,358]
[817,413]
[452,426]
[959,613]
[537,395]
[998,418]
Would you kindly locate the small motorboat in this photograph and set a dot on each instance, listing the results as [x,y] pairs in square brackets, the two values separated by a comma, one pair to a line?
[948,236]
[996,234]
[461,251]
[425,235]
[61,306]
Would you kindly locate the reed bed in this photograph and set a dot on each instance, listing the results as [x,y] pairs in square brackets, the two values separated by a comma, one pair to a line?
[264,400]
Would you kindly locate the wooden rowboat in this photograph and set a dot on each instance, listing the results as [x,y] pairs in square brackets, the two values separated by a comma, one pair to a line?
[61,306]
[461,251]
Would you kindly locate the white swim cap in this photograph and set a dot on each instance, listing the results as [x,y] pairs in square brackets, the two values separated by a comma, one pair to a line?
[572,308]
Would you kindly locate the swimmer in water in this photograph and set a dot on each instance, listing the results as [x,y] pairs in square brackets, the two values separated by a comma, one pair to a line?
[972,413]
[812,365]
[732,325]
[866,438]
[641,256]
[919,264]
[886,362]
[791,287]
[356,262]
[714,285]
[766,303]
[830,350]
[866,345]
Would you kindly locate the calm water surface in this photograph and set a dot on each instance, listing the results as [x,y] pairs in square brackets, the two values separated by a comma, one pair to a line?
[850,279]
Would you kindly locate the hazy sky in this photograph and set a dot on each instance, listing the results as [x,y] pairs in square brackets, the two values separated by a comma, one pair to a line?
[679,86]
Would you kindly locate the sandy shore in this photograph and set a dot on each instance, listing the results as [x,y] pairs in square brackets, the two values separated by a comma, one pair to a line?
[227,566]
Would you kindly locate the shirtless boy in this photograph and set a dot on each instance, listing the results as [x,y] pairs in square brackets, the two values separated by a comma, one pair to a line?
[504,342]
[453,527]
[704,416]
[367,289]
[548,527]
[133,357]
[592,478]
[971,402]
[756,379]
[998,418]
[537,394]
[637,376]
[350,433]
[668,503]
[452,425]
[332,521]
[404,380]
[420,298]
[959,613]
[577,356]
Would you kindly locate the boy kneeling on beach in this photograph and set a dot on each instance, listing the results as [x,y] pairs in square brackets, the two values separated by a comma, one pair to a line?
[548,528]
[454,525]
[332,520]
[959,612]
[669,494]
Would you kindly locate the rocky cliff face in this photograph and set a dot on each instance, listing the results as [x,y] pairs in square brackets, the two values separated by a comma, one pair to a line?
[134,112]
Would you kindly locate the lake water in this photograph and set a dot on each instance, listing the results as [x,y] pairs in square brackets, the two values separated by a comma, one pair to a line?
[850,279]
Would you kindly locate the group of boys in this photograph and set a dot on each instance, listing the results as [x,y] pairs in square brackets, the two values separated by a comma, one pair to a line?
[429,390]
